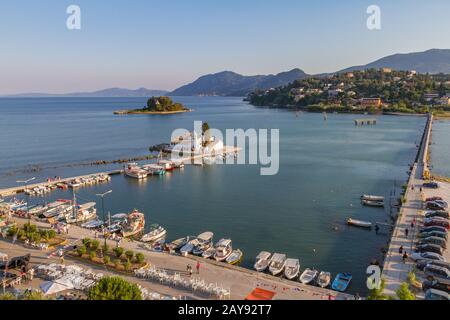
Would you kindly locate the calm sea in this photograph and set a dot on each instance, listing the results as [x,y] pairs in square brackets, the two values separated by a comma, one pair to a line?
[440,148]
[324,168]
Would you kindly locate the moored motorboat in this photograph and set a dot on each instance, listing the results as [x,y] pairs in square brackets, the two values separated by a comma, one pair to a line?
[324,279]
[154,169]
[372,203]
[177,244]
[189,246]
[359,223]
[308,276]
[156,233]
[235,257]
[166,164]
[134,171]
[135,224]
[37,210]
[223,249]
[292,268]
[277,263]
[372,198]
[341,282]
[262,261]
[209,253]
[204,243]
[82,213]
[94,224]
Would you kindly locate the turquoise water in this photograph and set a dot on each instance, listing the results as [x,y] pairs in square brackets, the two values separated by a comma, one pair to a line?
[324,167]
[440,148]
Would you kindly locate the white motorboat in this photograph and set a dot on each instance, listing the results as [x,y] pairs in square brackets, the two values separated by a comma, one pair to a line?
[235,257]
[204,243]
[134,171]
[372,203]
[223,249]
[308,276]
[292,268]
[82,213]
[177,244]
[277,263]
[324,279]
[188,247]
[166,164]
[93,224]
[372,198]
[359,223]
[154,169]
[209,253]
[39,209]
[156,233]
[262,261]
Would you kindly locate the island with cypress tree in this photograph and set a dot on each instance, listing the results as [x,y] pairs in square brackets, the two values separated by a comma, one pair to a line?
[158,105]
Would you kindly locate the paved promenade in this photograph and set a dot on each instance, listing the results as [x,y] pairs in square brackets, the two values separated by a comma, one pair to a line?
[239,281]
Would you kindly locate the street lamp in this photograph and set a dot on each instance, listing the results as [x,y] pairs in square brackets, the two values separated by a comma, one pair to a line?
[27,195]
[102,195]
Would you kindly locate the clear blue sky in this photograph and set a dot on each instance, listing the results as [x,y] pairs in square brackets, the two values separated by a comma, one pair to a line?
[164,44]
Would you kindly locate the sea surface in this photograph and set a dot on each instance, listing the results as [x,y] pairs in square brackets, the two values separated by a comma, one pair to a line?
[325,166]
[440,148]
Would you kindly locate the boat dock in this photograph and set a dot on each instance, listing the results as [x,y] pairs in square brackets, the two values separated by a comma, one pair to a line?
[395,271]
[368,122]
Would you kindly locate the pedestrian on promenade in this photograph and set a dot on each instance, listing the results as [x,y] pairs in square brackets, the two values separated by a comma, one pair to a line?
[198,267]
[31,274]
[405,257]
[406,232]
[14,238]
[95,234]
[61,260]
[400,250]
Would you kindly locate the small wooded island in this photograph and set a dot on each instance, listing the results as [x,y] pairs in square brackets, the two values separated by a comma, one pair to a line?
[158,105]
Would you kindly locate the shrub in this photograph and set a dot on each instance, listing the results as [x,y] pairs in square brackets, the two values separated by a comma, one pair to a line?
[86,242]
[403,293]
[140,257]
[114,288]
[127,265]
[118,252]
[81,250]
[92,255]
[117,263]
[106,259]
[12,231]
[105,248]
[94,245]
[28,227]
[129,254]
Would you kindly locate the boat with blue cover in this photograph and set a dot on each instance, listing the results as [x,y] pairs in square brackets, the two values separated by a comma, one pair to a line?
[341,282]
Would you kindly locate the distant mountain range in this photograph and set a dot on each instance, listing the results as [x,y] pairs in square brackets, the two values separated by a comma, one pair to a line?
[228,83]
[105,93]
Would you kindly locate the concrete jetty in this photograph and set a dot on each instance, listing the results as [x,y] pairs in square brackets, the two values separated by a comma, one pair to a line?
[395,271]
[368,121]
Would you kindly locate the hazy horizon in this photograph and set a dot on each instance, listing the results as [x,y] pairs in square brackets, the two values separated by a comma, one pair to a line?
[159,45]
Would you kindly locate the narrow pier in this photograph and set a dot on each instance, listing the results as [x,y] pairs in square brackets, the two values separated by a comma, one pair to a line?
[362,122]
[395,271]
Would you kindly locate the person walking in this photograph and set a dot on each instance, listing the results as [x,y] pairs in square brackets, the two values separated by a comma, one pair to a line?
[14,238]
[405,257]
[198,267]
[406,232]
[400,250]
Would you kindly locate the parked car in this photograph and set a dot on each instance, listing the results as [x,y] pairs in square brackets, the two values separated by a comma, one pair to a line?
[434,240]
[429,248]
[431,185]
[434,284]
[430,256]
[436,221]
[433,294]
[438,273]
[433,228]
[432,214]
[435,206]
[421,264]
[439,234]
[433,199]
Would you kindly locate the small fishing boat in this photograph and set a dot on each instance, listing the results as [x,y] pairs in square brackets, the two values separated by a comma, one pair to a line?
[204,243]
[177,244]
[308,276]
[359,223]
[188,247]
[94,224]
[134,171]
[74,184]
[209,253]
[166,164]
[37,210]
[223,249]
[341,282]
[277,263]
[262,261]
[114,228]
[324,279]
[292,269]
[154,169]
[82,213]
[372,198]
[156,233]
[235,257]
[372,203]
[135,224]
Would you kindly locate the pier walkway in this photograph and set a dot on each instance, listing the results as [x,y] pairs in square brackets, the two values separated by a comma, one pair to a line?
[395,271]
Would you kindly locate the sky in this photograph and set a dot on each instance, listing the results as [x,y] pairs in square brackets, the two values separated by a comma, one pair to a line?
[168,43]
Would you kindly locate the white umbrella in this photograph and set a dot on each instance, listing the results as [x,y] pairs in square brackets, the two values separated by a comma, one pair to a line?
[51,287]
